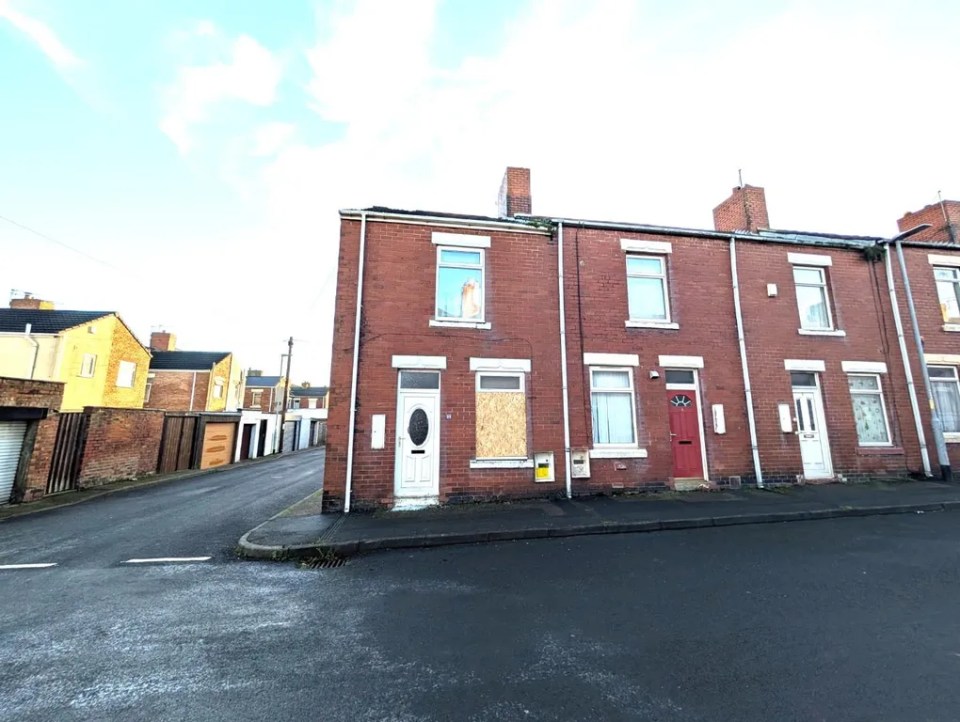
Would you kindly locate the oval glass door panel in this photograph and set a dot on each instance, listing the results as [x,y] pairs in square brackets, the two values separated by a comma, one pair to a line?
[418,427]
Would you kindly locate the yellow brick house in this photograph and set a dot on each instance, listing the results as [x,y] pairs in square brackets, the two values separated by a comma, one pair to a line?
[93,353]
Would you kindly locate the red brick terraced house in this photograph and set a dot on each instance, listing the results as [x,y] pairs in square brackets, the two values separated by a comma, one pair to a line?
[524,356]
[264,393]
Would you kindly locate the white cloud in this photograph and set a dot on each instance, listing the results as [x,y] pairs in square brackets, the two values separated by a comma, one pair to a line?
[271,137]
[41,35]
[250,74]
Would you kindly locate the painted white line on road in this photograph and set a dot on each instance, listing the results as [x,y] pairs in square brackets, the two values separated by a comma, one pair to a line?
[167,560]
[47,565]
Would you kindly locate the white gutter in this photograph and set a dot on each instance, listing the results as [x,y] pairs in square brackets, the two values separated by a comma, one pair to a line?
[36,349]
[356,361]
[193,389]
[563,365]
[426,220]
[748,391]
[908,372]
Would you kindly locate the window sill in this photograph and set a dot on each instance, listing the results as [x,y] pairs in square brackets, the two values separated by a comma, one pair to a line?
[653,324]
[811,332]
[618,453]
[954,327]
[501,463]
[879,451]
[952,438]
[437,323]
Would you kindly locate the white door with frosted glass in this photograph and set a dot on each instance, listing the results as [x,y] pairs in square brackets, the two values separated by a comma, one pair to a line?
[417,476]
[811,426]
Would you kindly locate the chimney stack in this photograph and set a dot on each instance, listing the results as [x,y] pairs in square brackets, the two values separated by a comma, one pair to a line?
[30,302]
[163,341]
[744,210]
[944,220]
[515,193]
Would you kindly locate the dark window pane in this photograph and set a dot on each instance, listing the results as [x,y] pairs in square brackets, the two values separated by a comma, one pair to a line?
[419,380]
[803,378]
[500,383]
[419,427]
[679,377]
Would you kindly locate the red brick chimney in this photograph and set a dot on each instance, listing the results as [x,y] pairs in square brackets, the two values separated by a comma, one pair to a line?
[29,302]
[744,210]
[944,221]
[163,341]
[515,192]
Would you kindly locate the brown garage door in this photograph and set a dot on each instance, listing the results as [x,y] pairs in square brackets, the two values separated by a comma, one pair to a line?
[217,445]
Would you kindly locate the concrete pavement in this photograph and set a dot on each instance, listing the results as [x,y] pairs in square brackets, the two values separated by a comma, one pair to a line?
[302,531]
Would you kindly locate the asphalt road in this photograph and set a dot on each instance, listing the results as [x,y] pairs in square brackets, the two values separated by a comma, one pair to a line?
[849,619]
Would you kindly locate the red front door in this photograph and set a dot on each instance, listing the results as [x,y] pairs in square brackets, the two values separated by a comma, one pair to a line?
[685,434]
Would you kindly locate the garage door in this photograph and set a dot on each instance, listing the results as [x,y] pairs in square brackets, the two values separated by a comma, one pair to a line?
[217,445]
[11,440]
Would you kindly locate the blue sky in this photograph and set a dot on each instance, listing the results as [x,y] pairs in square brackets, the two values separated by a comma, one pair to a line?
[196,152]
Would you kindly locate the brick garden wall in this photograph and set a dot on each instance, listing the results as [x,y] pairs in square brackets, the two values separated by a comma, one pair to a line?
[121,444]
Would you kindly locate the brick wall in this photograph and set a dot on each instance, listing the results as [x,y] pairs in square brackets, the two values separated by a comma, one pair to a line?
[125,347]
[701,303]
[522,308]
[121,444]
[860,307]
[268,398]
[938,337]
[744,210]
[172,390]
[35,394]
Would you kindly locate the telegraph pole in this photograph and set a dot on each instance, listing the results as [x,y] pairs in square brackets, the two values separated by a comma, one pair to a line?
[286,392]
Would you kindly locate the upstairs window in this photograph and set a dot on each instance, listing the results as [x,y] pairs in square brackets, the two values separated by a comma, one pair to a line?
[255,397]
[948,291]
[813,300]
[88,365]
[460,287]
[218,389]
[647,296]
[126,374]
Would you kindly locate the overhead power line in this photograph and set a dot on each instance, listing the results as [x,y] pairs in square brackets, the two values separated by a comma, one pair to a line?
[51,239]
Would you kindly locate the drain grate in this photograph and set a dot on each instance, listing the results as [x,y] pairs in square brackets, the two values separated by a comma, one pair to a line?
[330,562]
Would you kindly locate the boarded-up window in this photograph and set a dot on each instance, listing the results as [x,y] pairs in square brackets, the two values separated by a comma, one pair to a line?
[501,416]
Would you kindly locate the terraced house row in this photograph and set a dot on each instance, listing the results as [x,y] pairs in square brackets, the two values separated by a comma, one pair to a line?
[520,355]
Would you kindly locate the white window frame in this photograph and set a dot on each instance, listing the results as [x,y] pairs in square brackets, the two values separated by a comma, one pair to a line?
[218,389]
[311,403]
[256,397]
[89,359]
[883,408]
[123,367]
[634,445]
[825,287]
[483,285]
[508,374]
[148,389]
[951,436]
[295,402]
[664,286]
[955,283]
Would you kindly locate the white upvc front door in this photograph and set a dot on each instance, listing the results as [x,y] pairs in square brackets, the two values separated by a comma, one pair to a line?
[812,432]
[417,476]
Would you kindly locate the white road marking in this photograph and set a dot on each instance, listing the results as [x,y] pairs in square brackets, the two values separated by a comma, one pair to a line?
[167,560]
[47,565]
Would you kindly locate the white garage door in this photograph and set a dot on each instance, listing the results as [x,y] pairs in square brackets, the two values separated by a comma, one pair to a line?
[11,439]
